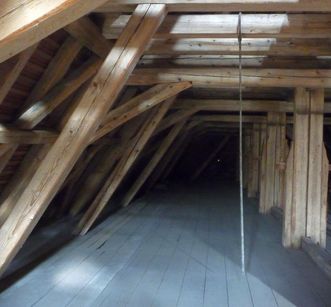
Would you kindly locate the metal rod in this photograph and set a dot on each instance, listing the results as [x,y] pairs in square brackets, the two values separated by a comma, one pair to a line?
[242,232]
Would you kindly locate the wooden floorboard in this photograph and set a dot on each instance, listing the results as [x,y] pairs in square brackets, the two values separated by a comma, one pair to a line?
[176,248]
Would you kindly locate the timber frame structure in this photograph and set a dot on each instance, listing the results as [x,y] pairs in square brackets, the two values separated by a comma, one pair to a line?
[90,90]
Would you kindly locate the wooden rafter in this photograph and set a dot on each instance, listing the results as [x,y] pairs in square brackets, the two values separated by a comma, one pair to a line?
[41,108]
[9,79]
[95,103]
[143,176]
[55,70]
[88,34]
[139,104]
[129,156]
[19,20]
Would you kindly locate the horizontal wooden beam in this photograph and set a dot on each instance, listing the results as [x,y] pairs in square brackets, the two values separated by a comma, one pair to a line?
[229,77]
[9,135]
[250,46]
[234,105]
[225,118]
[223,5]
[26,22]
[230,105]
[226,26]
[223,61]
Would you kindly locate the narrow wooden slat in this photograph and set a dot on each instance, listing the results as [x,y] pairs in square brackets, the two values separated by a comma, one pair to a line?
[79,129]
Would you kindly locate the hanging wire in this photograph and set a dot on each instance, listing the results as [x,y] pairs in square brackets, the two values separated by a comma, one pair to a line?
[242,233]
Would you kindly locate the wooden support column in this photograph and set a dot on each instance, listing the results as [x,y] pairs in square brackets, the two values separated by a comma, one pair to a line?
[167,141]
[267,202]
[294,224]
[281,156]
[317,171]
[246,157]
[129,156]
[263,160]
[253,184]
[82,124]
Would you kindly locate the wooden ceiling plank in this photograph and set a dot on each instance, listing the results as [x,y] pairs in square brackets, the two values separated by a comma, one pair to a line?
[18,21]
[139,104]
[89,35]
[82,124]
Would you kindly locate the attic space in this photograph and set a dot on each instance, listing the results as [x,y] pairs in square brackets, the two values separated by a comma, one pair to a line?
[165,153]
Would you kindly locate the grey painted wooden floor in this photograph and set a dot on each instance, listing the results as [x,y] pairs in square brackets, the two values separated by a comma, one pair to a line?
[176,248]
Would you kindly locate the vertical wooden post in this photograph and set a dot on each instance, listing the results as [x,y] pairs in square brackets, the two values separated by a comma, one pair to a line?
[316,191]
[270,164]
[281,156]
[246,157]
[263,160]
[253,186]
[295,212]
